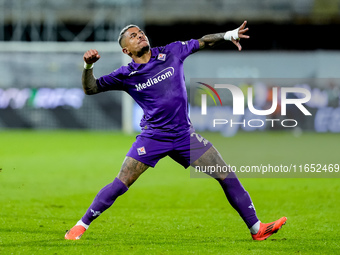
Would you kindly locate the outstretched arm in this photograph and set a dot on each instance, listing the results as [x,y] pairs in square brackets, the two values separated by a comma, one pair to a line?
[88,79]
[235,35]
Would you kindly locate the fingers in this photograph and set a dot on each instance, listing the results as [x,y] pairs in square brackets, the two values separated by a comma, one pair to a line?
[242,35]
[243,25]
[91,56]
[243,30]
[237,43]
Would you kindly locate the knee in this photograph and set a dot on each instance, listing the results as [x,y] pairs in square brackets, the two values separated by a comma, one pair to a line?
[223,175]
[127,180]
[128,177]
[131,170]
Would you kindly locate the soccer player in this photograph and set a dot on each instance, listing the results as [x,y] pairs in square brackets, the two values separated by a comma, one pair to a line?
[155,80]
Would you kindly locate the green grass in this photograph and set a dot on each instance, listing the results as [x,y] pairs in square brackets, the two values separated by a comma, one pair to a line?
[48,179]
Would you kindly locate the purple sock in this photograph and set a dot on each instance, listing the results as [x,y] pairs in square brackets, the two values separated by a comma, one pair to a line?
[239,198]
[104,199]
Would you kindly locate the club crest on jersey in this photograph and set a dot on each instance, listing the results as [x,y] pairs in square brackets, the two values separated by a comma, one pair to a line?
[141,151]
[161,56]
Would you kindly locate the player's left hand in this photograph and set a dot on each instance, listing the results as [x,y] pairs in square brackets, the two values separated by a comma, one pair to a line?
[241,34]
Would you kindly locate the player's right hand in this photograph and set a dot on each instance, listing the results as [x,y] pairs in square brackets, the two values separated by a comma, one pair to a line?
[91,56]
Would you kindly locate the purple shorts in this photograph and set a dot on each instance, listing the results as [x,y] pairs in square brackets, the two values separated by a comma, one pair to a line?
[184,148]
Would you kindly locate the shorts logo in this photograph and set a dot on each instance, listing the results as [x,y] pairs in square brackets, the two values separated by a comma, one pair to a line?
[141,151]
[161,56]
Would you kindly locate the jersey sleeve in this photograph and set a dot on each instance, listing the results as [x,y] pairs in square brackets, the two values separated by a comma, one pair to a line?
[183,49]
[112,81]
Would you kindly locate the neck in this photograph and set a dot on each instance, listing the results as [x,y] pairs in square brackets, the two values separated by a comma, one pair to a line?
[143,58]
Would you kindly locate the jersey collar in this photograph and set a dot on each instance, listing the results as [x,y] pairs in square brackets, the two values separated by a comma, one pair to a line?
[135,66]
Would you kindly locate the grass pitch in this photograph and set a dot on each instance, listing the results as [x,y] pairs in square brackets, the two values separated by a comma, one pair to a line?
[48,180]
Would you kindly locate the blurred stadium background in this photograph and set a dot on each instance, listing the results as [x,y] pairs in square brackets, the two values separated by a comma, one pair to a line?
[42,43]
[48,179]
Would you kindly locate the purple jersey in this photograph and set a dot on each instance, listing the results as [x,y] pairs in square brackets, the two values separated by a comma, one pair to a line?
[158,86]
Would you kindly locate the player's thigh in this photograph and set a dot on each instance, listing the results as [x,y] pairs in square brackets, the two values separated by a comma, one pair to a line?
[212,159]
[149,149]
[130,171]
[188,148]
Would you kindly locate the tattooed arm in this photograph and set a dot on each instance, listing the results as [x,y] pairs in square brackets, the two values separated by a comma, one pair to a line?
[88,79]
[208,41]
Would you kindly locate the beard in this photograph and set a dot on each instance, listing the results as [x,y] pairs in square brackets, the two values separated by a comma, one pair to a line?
[144,50]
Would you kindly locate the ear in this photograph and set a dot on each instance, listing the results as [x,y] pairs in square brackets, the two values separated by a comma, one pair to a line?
[126,51]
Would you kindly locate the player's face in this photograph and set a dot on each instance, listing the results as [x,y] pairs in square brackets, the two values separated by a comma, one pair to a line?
[136,42]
